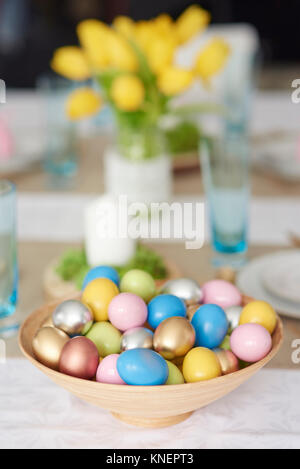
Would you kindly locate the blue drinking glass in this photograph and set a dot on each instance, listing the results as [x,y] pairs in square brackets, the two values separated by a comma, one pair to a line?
[224,163]
[61,155]
[8,259]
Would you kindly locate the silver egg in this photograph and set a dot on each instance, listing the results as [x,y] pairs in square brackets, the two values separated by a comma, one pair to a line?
[185,288]
[72,317]
[233,315]
[137,337]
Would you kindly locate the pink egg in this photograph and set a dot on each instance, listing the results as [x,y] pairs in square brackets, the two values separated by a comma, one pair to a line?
[127,310]
[250,342]
[221,293]
[107,370]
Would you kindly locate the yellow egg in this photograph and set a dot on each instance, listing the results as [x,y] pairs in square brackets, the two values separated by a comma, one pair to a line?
[200,364]
[259,312]
[97,295]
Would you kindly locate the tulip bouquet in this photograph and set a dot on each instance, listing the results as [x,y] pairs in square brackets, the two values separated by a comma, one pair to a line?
[133,62]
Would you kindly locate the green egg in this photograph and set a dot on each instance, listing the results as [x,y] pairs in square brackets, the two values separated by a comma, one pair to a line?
[225,345]
[175,375]
[140,283]
[106,337]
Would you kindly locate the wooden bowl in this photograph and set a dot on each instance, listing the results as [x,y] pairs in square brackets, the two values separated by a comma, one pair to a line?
[146,406]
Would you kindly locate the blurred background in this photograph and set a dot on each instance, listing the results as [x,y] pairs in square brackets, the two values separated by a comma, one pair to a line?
[30,30]
[249,176]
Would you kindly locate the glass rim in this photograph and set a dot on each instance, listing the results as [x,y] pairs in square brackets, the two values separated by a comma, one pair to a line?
[6,187]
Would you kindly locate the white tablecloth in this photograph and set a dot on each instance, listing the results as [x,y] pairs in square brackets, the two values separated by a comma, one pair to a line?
[35,413]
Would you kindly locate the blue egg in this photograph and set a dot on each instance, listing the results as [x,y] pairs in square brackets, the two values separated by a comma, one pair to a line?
[210,324]
[165,306]
[101,271]
[142,367]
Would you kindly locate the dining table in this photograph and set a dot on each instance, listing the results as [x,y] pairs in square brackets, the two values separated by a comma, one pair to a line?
[263,412]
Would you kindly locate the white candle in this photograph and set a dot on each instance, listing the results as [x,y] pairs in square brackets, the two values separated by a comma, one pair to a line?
[104,245]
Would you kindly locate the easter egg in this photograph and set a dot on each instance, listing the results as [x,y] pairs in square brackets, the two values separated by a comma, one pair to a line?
[79,358]
[165,306]
[250,342]
[140,283]
[101,271]
[210,324]
[221,293]
[138,337]
[174,337]
[226,343]
[259,312]
[233,316]
[228,361]
[142,367]
[106,338]
[200,364]
[185,288]
[175,375]
[97,295]
[47,345]
[191,309]
[107,370]
[127,310]
[72,317]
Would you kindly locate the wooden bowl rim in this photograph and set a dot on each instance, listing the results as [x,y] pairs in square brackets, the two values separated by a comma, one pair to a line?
[132,388]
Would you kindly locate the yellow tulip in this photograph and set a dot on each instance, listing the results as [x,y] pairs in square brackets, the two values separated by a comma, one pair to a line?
[212,58]
[144,34]
[82,102]
[174,80]
[70,62]
[121,54]
[125,26]
[192,21]
[93,36]
[128,92]
[160,54]
[163,24]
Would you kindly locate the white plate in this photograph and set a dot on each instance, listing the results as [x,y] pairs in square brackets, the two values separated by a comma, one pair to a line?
[249,281]
[281,277]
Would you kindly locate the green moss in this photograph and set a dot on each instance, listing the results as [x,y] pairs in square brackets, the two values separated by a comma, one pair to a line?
[73,265]
[183,138]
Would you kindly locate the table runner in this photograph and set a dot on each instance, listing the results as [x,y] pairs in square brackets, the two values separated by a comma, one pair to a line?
[36,413]
[59,217]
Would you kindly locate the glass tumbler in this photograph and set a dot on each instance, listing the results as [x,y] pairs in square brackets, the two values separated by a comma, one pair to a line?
[8,258]
[61,155]
[224,163]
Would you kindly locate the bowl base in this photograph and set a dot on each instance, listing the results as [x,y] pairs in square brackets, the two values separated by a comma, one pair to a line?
[151,422]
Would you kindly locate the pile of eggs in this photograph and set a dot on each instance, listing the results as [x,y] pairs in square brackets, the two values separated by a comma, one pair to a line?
[128,333]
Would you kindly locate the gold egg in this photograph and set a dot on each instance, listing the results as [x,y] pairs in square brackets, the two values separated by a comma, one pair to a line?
[228,361]
[47,345]
[174,337]
[48,322]
[191,311]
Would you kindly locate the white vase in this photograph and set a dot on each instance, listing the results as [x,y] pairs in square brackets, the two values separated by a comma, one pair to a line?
[145,180]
